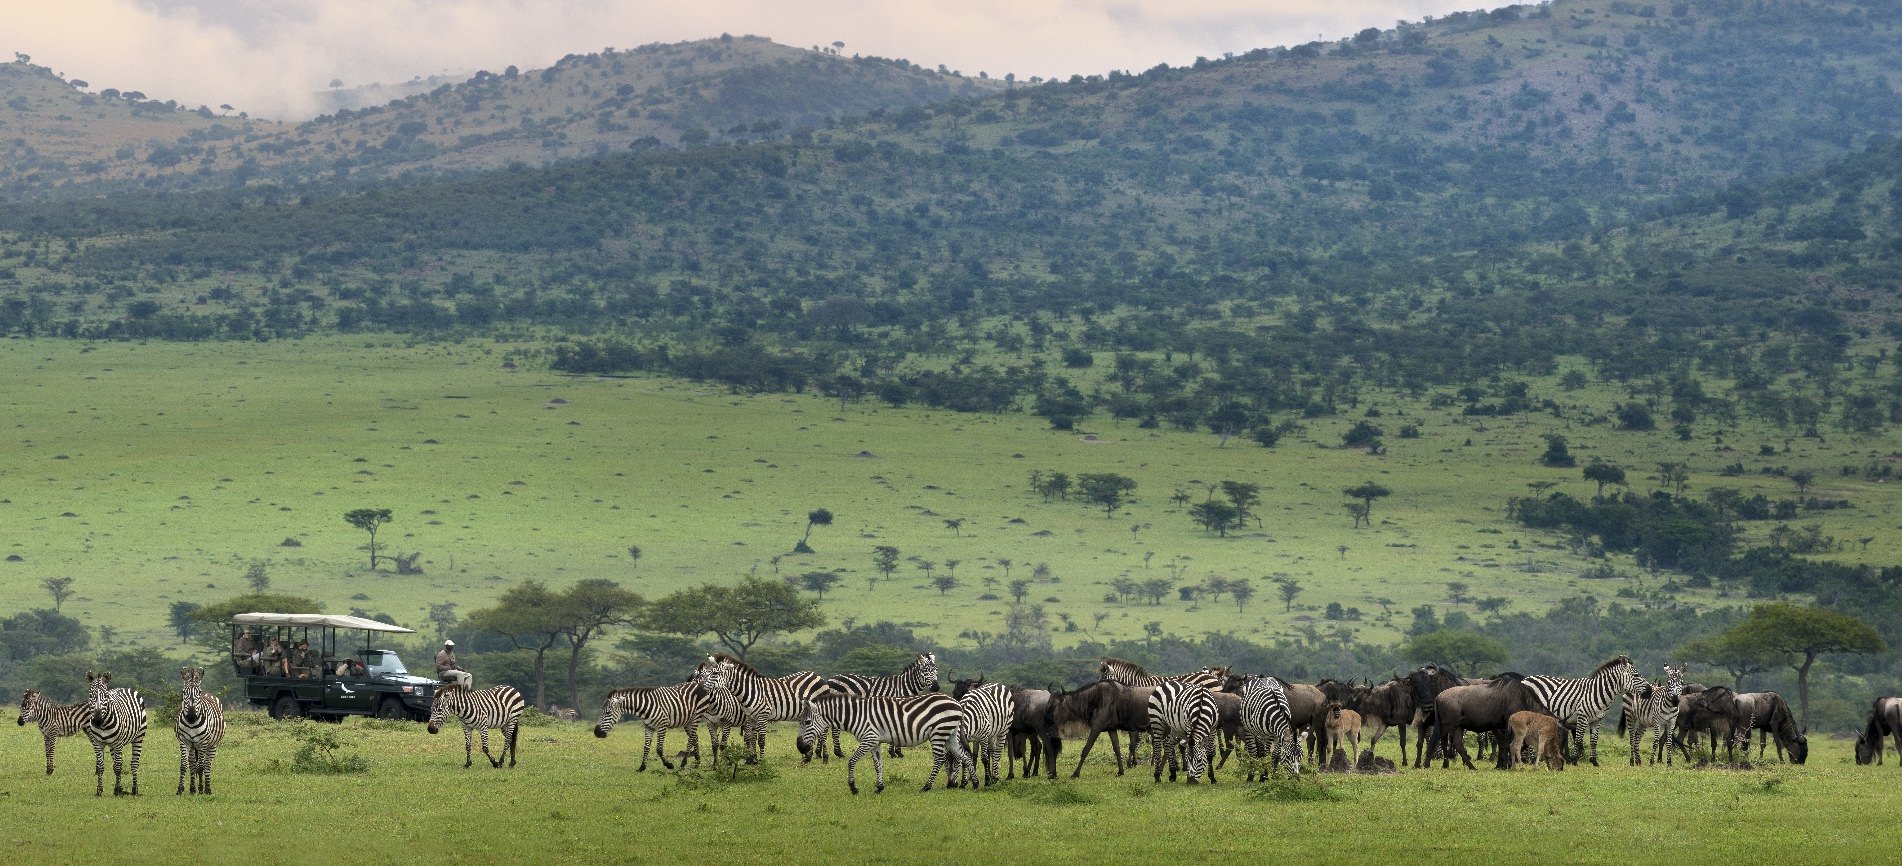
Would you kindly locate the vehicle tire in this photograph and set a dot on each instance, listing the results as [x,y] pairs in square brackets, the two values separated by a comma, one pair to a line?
[391,709]
[286,707]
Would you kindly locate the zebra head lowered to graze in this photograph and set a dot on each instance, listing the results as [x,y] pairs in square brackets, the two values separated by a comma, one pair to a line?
[1267,732]
[1181,714]
[498,707]
[1885,721]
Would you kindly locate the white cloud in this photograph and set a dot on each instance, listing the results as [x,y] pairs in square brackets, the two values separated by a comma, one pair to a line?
[268,56]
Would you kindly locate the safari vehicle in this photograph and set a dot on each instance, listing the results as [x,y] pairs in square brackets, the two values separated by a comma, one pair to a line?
[344,674]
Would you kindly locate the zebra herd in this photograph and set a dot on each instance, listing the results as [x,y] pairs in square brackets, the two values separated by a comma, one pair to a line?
[1189,718]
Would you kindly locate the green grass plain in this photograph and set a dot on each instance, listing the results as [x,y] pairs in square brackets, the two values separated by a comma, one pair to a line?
[573,797]
[153,473]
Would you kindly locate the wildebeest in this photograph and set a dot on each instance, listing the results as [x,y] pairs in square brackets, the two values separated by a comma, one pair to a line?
[1484,708]
[1885,720]
[1547,736]
[1343,726]
[1104,706]
[1769,713]
[1032,732]
[1707,711]
[1427,682]
[1228,723]
[1389,704]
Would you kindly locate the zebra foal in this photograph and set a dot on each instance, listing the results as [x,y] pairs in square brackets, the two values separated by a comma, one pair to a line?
[55,720]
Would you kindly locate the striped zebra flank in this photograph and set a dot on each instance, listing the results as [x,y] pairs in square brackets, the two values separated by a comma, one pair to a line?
[200,727]
[766,699]
[928,718]
[117,723]
[1580,703]
[1182,718]
[917,678]
[659,708]
[1653,706]
[1267,731]
[55,720]
[1132,674]
[498,707]
[989,710]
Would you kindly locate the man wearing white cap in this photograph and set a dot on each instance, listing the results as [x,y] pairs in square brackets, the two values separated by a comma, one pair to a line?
[447,669]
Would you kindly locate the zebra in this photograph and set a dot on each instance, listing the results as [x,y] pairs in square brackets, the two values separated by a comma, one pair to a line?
[1653,705]
[766,699]
[989,710]
[721,710]
[917,678]
[1182,714]
[55,720]
[1580,703]
[1132,674]
[1266,729]
[659,708]
[498,707]
[200,727]
[932,717]
[117,721]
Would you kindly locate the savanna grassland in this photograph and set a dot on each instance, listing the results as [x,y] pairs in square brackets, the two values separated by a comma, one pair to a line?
[153,473]
[575,798]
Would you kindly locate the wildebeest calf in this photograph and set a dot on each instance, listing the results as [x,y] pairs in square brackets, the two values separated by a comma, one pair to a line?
[1547,736]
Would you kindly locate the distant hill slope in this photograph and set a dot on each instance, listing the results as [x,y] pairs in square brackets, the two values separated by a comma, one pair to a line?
[730,89]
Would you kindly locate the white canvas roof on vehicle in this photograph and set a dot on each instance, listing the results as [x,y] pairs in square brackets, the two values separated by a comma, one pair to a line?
[333,620]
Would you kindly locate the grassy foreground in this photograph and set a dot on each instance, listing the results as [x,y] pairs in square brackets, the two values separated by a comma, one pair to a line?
[574,796]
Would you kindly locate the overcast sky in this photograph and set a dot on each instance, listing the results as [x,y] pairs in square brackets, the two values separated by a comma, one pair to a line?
[267,56]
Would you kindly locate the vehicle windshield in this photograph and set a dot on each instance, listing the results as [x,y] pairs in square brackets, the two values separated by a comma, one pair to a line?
[383,662]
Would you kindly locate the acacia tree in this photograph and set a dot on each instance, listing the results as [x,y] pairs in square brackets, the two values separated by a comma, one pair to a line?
[588,608]
[369,520]
[1367,492]
[815,517]
[1801,634]
[1604,473]
[1107,489]
[739,616]
[885,559]
[531,617]
[60,588]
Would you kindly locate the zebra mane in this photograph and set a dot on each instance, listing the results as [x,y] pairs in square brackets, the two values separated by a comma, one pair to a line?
[1619,661]
[1132,667]
[736,662]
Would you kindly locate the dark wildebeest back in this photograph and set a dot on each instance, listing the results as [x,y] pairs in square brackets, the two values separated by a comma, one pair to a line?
[1427,682]
[1885,721]
[1105,706]
[1770,713]
[1484,708]
[1389,704]
[1708,711]
[1228,722]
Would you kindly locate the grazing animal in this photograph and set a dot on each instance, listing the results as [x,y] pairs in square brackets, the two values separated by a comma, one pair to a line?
[1885,721]
[721,711]
[1769,713]
[1581,702]
[1103,706]
[1266,730]
[1343,725]
[1428,681]
[1307,708]
[766,699]
[1709,711]
[1181,715]
[498,707]
[200,727]
[117,722]
[660,708]
[1652,706]
[55,720]
[917,678]
[988,713]
[932,718]
[1228,723]
[1132,674]
[1389,704]
[1547,736]
[1485,708]
[1033,735]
